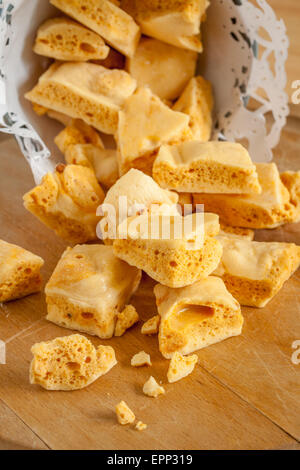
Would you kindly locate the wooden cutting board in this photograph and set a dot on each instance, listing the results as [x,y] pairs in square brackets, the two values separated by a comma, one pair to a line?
[243,394]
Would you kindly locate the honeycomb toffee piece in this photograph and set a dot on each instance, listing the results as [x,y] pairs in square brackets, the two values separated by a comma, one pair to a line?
[196,316]
[140,426]
[151,326]
[146,123]
[85,91]
[66,201]
[69,363]
[175,251]
[140,192]
[126,319]
[197,101]
[209,167]
[269,209]
[174,22]
[152,388]
[77,132]
[236,232]
[124,413]
[181,366]
[254,272]
[19,272]
[39,110]
[64,39]
[165,69]
[141,359]
[291,180]
[88,288]
[103,161]
[105,18]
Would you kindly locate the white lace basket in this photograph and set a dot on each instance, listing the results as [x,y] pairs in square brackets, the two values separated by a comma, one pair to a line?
[236,60]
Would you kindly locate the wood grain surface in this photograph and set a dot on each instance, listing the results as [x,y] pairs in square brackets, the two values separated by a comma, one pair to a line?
[243,394]
[14,434]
